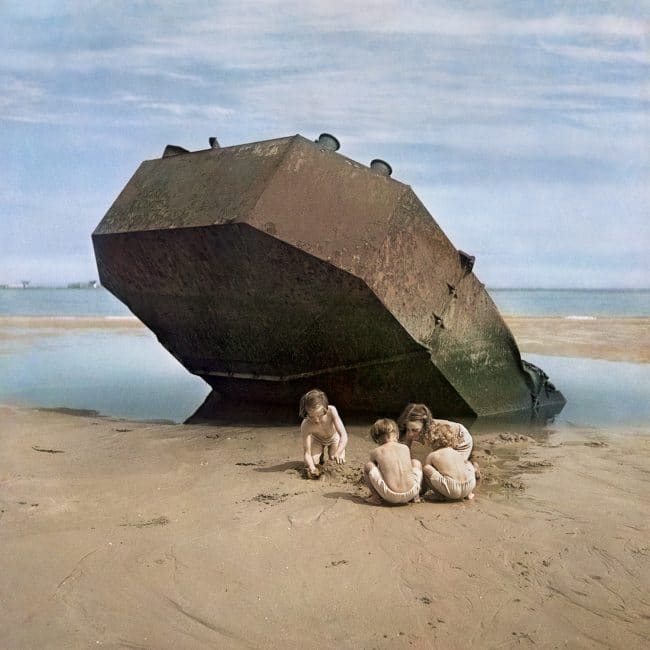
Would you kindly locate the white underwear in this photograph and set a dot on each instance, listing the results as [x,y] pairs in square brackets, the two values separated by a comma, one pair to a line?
[378,483]
[450,488]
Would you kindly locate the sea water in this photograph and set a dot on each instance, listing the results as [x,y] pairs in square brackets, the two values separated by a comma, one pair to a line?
[125,372]
[60,302]
[599,393]
[573,303]
[569,303]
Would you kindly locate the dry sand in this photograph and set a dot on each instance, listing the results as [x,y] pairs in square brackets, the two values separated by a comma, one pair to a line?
[133,535]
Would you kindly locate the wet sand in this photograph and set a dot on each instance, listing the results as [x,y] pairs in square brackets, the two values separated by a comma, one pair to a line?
[614,339]
[125,534]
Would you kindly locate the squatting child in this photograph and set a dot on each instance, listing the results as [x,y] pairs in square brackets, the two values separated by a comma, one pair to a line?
[391,474]
[447,471]
[322,430]
[417,423]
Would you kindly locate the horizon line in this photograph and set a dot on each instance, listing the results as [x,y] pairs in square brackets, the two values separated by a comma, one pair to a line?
[488,288]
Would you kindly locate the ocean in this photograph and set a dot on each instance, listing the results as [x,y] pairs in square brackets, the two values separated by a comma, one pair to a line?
[122,371]
[520,302]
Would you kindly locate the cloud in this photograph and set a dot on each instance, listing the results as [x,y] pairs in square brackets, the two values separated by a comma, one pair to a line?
[20,99]
[187,111]
[599,54]
[510,117]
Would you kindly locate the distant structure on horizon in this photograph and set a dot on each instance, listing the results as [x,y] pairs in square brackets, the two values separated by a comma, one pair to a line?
[91,284]
[23,284]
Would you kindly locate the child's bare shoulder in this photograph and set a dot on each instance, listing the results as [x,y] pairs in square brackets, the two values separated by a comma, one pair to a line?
[390,449]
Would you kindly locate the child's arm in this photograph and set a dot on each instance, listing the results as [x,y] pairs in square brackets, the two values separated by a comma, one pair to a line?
[340,427]
[306,445]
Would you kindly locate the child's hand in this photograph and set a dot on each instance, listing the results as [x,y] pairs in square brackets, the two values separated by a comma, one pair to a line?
[314,473]
[339,459]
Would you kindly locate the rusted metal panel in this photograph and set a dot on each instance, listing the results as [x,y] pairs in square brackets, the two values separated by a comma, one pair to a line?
[273,267]
[210,187]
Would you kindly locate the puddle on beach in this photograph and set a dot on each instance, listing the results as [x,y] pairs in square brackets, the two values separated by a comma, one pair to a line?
[599,394]
[126,373]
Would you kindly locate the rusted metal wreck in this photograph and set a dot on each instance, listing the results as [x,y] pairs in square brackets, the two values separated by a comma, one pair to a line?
[273,267]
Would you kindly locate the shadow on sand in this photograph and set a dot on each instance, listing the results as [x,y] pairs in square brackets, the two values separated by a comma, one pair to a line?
[218,410]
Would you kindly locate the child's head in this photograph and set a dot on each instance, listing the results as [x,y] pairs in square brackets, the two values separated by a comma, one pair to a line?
[443,435]
[313,404]
[415,422]
[384,430]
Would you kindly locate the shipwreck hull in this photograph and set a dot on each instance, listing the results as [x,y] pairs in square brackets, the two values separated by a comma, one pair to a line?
[270,268]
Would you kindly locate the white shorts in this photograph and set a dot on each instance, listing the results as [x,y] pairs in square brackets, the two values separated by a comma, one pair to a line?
[450,488]
[378,483]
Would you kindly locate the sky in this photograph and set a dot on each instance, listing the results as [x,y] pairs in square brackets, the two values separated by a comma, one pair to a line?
[523,126]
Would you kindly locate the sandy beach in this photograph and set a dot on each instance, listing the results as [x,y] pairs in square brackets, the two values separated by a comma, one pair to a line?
[613,339]
[123,534]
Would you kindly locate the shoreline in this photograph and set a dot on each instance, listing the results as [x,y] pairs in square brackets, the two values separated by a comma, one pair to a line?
[600,364]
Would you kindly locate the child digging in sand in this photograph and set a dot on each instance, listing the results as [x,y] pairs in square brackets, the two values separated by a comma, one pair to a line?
[447,471]
[391,474]
[417,423]
[322,430]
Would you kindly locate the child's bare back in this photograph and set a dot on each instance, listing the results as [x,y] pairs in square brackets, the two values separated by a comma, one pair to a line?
[448,474]
[394,462]
[449,462]
[391,474]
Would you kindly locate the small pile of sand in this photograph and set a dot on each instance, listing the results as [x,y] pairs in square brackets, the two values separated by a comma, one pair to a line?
[333,472]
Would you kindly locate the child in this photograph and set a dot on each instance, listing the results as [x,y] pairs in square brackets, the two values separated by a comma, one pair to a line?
[391,474]
[417,423]
[414,422]
[446,471]
[322,430]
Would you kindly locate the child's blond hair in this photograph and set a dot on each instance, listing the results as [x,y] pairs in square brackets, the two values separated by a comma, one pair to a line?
[383,428]
[311,400]
[444,434]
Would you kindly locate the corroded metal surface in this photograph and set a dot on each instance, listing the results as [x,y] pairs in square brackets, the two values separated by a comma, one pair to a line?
[273,267]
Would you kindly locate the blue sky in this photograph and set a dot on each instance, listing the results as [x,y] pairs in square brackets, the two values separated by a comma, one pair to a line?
[524,127]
